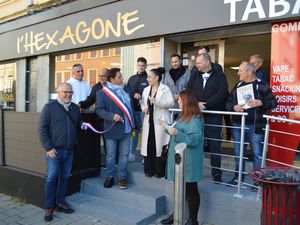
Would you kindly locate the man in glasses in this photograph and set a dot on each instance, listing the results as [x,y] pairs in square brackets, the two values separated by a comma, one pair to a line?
[57,130]
[80,87]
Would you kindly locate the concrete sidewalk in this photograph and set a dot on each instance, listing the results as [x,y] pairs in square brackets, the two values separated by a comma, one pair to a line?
[14,212]
[17,213]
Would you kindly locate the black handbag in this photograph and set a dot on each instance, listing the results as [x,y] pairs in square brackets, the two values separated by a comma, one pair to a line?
[164,152]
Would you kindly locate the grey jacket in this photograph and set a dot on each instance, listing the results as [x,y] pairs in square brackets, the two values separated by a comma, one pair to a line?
[180,83]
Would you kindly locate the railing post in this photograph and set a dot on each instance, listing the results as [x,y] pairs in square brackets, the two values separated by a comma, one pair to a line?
[2,161]
[179,201]
[266,142]
[241,160]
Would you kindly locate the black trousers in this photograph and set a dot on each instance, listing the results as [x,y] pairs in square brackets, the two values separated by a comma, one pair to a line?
[214,146]
[153,165]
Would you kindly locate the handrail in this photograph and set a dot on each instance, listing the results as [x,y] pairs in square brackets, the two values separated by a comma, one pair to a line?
[215,112]
[282,119]
[242,128]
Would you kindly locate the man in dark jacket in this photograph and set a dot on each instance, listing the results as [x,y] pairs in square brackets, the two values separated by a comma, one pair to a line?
[57,130]
[136,85]
[211,89]
[257,62]
[256,106]
[91,99]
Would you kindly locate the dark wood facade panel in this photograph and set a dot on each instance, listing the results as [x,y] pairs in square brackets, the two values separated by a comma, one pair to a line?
[22,147]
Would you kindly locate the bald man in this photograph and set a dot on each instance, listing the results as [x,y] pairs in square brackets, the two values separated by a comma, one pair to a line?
[91,99]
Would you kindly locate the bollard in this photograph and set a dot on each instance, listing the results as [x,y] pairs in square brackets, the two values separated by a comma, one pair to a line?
[179,201]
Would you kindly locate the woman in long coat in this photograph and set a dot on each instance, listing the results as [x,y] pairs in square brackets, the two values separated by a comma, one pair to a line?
[190,130]
[156,101]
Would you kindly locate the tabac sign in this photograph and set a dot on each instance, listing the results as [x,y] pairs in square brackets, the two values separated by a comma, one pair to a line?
[135,19]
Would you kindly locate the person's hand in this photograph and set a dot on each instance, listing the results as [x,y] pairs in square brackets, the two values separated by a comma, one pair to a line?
[201,105]
[52,153]
[118,118]
[238,108]
[137,96]
[254,103]
[172,131]
[146,111]
[162,123]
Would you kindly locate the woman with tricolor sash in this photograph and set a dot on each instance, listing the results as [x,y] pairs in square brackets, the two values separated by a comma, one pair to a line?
[113,104]
[156,100]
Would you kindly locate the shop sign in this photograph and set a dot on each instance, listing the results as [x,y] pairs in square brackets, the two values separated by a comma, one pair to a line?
[285,84]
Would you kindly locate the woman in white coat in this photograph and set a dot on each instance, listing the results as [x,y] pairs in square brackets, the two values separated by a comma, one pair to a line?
[156,100]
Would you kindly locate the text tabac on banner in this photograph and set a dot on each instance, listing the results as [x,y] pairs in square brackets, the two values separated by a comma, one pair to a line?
[285,84]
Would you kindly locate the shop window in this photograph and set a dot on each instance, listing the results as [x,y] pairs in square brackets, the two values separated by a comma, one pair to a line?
[58,79]
[123,57]
[93,54]
[67,76]
[58,58]
[117,51]
[77,56]
[67,57]
[8,86]
[92,77]
[105,52]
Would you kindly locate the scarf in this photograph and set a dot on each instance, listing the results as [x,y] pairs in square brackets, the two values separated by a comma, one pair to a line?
[65,105]
[119,90]
[177,73]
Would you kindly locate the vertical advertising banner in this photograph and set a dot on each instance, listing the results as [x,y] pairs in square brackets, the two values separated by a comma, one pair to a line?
[285,84]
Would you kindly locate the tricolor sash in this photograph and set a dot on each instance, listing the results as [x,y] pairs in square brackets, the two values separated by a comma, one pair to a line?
[120,103]
[89,126]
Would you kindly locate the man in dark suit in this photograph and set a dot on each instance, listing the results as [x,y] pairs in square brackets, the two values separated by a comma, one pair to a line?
[211,89]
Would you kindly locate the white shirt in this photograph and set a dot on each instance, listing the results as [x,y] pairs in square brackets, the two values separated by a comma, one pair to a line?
[205,77]
[81,89]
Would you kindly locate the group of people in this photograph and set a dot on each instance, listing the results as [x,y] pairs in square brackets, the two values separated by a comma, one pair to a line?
[144,104]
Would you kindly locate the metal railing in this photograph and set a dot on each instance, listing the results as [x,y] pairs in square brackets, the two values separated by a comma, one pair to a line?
[266,140]
[241,142]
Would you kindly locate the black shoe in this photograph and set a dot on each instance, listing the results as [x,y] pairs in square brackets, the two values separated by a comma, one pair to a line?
[168,220]
[233,182]
[64,208]
[109,182]
[48,214]
[149,174]
[192,222]
[217,178]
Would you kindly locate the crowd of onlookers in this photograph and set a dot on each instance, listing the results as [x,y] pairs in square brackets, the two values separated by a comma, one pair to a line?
[143,104]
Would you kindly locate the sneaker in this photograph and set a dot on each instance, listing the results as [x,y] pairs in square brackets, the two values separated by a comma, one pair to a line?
[64,208]
[123,184]
[233,182]
[131,157]
[48,214]
[109,182]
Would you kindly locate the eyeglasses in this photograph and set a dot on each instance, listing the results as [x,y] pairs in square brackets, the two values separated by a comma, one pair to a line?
[68,92]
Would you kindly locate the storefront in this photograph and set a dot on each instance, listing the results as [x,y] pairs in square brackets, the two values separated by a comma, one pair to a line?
[40,50]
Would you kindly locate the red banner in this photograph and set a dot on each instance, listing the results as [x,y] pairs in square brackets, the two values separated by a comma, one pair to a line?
[285,84]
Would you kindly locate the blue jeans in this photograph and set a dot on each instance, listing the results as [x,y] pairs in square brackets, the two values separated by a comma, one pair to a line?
[138,119]
[256,145]
[122,147]
[58,172]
